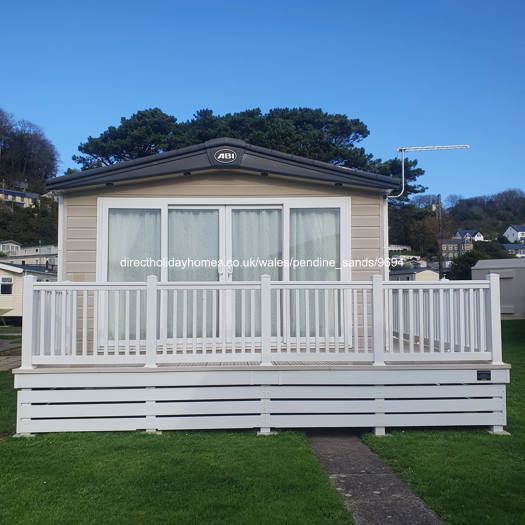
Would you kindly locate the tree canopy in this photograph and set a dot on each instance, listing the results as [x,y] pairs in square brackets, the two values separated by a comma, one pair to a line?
[461,267]
[312,133]
[30,226]
[26,155]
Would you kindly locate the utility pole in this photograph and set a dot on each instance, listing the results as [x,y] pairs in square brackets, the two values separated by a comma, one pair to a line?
[439,217]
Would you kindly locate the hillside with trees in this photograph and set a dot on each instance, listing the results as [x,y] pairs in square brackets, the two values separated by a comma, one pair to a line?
[312,133]
[27,156]
[415,222]
[490,214]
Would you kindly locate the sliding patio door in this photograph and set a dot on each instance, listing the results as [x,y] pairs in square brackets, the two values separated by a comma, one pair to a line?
[194,240]
[134,234]
[256,243]
[292,240]
[315,240]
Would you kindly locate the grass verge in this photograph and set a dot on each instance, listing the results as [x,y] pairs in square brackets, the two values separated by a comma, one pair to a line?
[469,477]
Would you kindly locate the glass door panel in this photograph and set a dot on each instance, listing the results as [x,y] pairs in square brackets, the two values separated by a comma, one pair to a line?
[193,252]
[133,235]
[256,244]
[315,243]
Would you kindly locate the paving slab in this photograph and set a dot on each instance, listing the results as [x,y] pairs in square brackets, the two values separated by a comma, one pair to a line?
[8,362]
[371,491]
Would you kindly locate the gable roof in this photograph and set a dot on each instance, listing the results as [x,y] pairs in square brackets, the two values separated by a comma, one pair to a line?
[10,268]
[468,232]
[518,227]
[10,242]
[410,271]
[237,155]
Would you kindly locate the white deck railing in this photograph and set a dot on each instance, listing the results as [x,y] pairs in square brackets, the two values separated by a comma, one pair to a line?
[156,323]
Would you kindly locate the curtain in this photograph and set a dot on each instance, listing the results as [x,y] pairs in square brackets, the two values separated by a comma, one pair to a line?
[315,233]
[132,233]
[256,238]
[193,237]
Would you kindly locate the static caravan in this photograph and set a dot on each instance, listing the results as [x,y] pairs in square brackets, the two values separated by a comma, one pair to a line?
[226,285]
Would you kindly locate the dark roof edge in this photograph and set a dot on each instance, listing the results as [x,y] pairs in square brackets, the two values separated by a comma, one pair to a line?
[117,171]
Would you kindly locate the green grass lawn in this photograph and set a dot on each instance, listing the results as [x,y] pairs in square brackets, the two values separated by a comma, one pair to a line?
[10,329]
[470,477]
[176,478]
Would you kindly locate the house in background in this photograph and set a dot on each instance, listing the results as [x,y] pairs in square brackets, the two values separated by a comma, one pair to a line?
[399,248]
[473,235]
[452,248]
[8,248]
[515,233]
[43,256]
[516,249]
[512,279]
[413,274]
[23,199]
[295,325]
[12,288]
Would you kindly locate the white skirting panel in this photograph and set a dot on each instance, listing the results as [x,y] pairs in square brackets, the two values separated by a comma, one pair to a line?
[184,399]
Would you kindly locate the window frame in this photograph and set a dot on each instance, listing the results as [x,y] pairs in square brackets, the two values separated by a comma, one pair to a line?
[6,279]
[104,204]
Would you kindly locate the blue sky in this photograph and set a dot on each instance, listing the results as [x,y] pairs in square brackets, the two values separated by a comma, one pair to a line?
[417,73]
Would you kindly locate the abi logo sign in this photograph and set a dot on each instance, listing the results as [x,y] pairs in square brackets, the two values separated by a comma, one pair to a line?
[225,155]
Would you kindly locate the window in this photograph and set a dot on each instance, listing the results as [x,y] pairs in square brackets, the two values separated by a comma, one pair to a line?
[295,230]
[6,285]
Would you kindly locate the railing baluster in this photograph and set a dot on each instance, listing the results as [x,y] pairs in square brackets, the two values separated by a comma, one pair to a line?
[278,323]
[390,316]
[451,312]
[472,344]
[96,296]
[163,320]
[326,323]
[214,321]
[401,325]
[126,322]
[185,320]
[307,319]
[431,320]
[441,320]
[63,325]
[252,321]
[194,321]
[116,335]
[365,320]
[355,331]
[288,318]
[411,334]
[137,322]
[84,321]
[243,320]
[42,307]
[482,321]
[74,307]
[316,315]
[204,330]
[175,320]
[297,322]
[336,321]
[421,310]
[52,350]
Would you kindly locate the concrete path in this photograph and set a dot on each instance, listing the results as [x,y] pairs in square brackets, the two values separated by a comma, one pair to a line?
[372,493]
[8,362]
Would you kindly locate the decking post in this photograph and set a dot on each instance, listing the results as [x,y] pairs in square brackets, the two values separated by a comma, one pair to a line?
[378,320]
[27,322]
[151,321]
[494,318]
[266,321]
